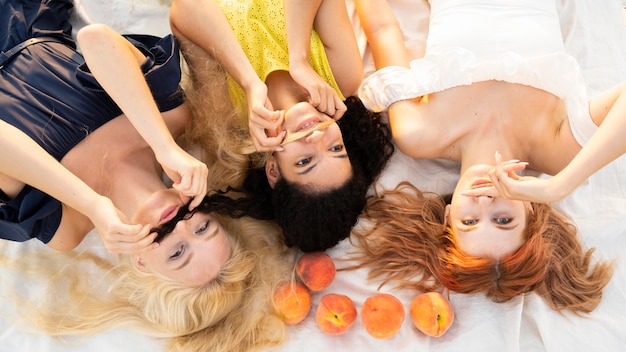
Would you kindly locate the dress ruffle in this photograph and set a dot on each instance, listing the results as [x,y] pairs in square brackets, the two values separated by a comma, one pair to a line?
[557,73]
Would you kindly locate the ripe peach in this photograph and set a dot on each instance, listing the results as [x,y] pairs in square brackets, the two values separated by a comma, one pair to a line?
[382,315]
[292,302]
[432,313]
[335,314]
[316,270]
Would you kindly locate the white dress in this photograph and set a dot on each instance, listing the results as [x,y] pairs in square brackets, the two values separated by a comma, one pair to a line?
[517,41]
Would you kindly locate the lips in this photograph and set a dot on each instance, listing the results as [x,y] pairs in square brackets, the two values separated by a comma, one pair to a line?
[307,124]
[168,214]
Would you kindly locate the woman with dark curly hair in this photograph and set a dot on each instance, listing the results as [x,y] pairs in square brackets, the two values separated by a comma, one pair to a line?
[329,215]
[301,58]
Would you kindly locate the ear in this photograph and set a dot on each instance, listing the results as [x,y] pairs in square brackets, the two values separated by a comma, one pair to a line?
[139,263]
[271,171]
[446,215]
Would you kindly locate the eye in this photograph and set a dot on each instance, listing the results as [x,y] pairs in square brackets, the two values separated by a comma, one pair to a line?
[203,228]
[303,162]
[470,222]
[336,148]
[503,221]
[178,253]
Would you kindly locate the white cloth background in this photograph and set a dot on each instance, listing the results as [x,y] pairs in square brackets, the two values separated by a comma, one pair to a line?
[595,33]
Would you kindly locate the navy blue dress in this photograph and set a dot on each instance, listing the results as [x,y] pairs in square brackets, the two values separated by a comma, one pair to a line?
[47,91]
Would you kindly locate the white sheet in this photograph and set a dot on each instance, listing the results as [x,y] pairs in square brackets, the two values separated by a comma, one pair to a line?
[596,34]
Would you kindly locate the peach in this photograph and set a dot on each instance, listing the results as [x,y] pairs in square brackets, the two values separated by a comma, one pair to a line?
[292,302]
[432,313]
[316,270]
[382,315]
[335,314]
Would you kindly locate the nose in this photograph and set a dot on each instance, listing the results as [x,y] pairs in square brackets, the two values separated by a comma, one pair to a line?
[314,136]
[181,227]
[486,200]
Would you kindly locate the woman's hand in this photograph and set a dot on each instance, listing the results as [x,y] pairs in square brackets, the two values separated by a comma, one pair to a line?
[264,123]
[508,184]
[321,95]
[188,173]
[116,233]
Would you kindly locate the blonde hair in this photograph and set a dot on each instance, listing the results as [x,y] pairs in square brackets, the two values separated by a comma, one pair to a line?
[252,324]
[231,313]
[103,294]
[218,132]
[409,244]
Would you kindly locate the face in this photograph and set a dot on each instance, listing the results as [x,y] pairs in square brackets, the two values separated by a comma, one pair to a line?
[194,252]
[312,159]
[485,226]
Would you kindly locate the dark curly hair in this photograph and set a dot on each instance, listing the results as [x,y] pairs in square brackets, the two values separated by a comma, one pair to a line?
[314,221]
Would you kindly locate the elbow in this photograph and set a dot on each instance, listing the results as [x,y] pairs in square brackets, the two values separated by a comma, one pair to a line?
[179,14]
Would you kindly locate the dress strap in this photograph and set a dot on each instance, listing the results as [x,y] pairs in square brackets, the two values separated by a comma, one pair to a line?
[5,56]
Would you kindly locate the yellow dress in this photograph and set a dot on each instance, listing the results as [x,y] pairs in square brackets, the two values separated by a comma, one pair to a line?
[260,27]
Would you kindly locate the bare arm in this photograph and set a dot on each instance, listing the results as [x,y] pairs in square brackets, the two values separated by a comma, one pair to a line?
[203,24]
[383,33]
[31,164]
[115,63]
[333,25]
[606,145]
[388,48]
[300,18]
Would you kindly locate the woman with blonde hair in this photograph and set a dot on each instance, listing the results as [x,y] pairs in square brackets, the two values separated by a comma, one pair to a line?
[92,137]
[474,94]
[233,312]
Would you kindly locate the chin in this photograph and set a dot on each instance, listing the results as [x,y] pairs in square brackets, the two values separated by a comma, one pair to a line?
[478,170]
[150,209]
[470,175]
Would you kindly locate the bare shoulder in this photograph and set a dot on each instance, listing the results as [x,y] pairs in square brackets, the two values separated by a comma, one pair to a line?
[416,130]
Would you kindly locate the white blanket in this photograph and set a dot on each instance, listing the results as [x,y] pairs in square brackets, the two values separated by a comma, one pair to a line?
[595,33]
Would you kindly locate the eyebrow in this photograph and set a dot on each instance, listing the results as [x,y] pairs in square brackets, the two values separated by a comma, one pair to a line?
[186,262]
[308,169]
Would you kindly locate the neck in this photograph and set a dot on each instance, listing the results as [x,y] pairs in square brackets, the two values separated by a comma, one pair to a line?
[131,183]
[481,149]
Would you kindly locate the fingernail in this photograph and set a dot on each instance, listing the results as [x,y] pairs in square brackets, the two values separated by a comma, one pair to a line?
[279,149]
[497,154]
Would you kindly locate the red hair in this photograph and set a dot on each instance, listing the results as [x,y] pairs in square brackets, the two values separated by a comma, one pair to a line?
[408,244]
